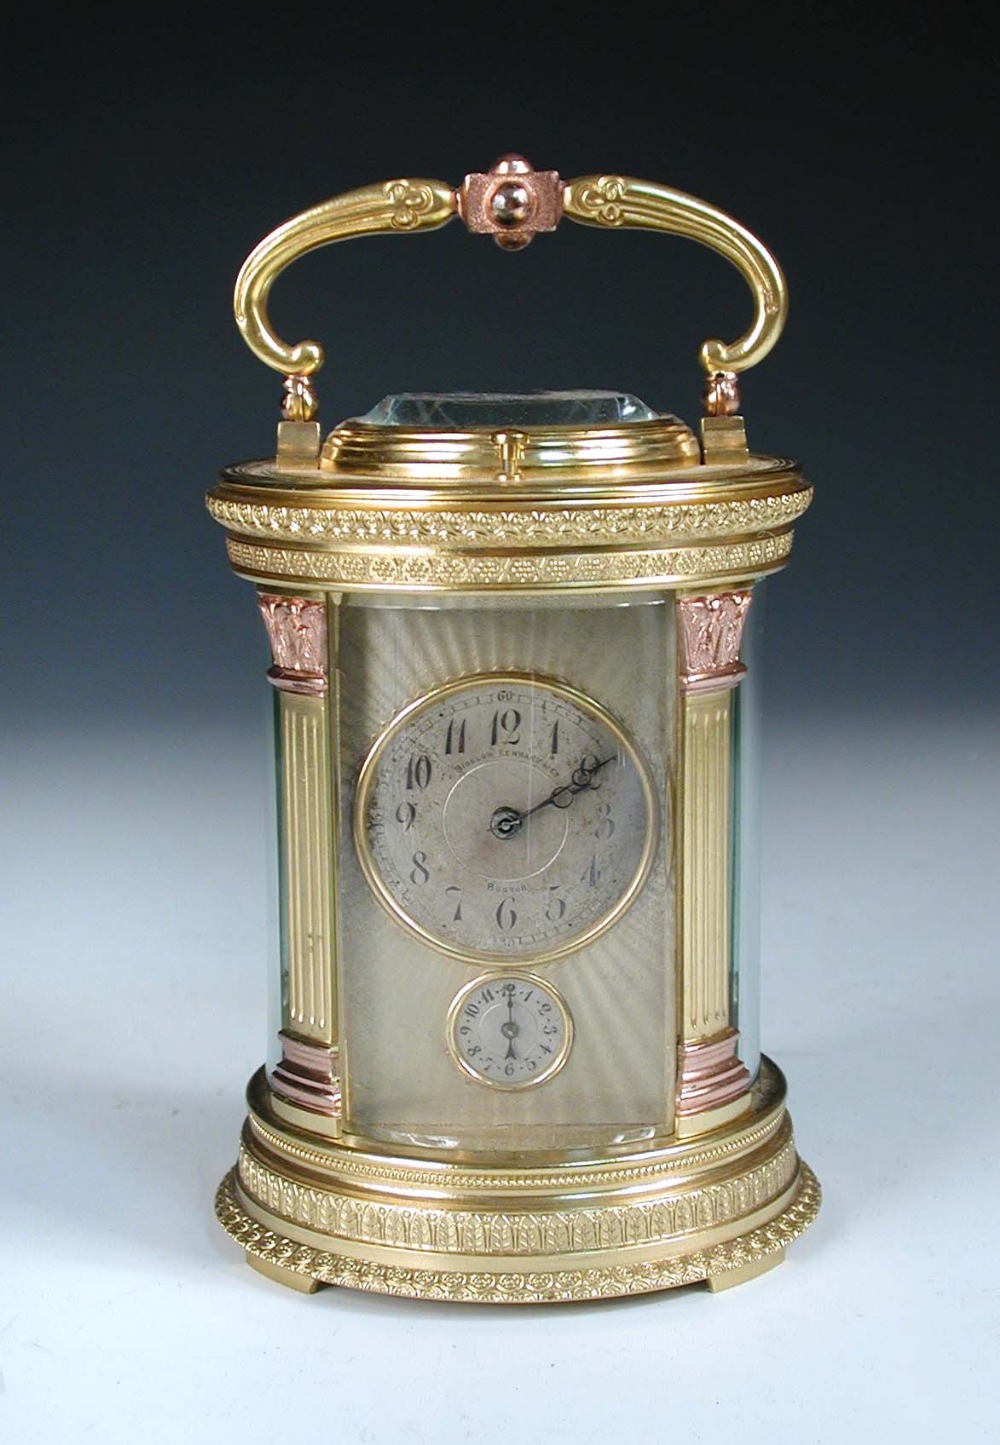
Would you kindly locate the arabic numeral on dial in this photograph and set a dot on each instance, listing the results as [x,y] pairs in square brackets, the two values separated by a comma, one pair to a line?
[506,727]
[406,816]
[506,915]
[591,875]
[454,890]
[419,873]
[454,738]
[605,823]
[555,909]
[418,771]
[554,748]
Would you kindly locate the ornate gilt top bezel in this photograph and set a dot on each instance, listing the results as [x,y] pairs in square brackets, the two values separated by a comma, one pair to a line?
[577,528]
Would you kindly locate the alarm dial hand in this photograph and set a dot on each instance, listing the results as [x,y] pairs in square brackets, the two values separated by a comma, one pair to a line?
[507,822]
[509,1029]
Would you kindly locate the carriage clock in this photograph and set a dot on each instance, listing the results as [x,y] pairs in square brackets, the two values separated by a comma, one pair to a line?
[515,1055]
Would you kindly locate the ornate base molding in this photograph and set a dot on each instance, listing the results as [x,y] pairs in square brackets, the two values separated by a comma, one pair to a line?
[552,1228]
[731,1263]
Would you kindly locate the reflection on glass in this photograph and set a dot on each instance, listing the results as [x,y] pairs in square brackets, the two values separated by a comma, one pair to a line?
[460,410]
[745,988]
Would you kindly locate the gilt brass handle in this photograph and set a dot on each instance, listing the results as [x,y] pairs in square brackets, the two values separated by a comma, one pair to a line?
[513,202]
[395,206]
[617,201]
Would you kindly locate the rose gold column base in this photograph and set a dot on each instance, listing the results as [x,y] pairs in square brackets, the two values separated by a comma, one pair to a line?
[308,1075]
[710,1074]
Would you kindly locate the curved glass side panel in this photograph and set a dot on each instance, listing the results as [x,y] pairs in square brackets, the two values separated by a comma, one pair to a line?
[746,735]
[277,994]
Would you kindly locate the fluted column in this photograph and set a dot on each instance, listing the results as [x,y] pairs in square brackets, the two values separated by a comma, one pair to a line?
[711,1081]
[308,1074]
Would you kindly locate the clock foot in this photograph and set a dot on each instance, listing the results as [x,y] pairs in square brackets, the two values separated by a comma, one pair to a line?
[730,1277]
[304,1283]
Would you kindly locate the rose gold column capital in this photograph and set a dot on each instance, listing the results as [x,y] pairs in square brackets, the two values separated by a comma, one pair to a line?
[308,1075]
[296,630]
[710,1074]
[711,630]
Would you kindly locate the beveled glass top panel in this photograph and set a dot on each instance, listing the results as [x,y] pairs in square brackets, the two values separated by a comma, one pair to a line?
[463,410]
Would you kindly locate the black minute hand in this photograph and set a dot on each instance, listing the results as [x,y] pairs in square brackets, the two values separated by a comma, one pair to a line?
[506,822]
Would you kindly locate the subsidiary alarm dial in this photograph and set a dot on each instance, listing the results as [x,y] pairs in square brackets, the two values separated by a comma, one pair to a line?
[505,817]
[509,1030]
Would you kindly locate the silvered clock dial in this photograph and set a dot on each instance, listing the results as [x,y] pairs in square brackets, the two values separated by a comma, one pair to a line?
[509,1030]
[505,816]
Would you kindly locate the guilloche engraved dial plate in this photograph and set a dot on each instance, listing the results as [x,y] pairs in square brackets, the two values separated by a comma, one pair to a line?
[504,817]
[509,1030]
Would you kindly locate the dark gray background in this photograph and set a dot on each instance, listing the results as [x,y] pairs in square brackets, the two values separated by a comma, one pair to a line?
[150,151]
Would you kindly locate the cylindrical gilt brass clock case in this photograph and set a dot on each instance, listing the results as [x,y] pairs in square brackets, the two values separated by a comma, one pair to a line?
[516,1057]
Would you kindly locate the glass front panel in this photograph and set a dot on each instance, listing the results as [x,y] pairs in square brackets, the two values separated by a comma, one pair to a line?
[506,911]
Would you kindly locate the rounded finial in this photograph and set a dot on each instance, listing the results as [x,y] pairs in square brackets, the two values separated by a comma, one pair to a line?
[510,204]
[511,165]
